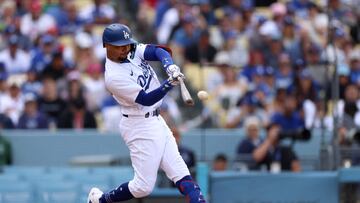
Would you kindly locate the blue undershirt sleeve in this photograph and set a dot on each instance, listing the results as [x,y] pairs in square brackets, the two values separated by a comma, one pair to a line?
[149,99]
[154,53]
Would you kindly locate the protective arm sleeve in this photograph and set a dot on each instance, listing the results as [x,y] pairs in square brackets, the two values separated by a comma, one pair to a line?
[155,53]
[149,99]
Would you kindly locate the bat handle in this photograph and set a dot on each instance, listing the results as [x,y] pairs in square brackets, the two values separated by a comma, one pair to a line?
[185,93]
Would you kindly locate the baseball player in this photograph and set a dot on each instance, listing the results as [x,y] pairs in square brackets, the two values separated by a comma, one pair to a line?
[135,86]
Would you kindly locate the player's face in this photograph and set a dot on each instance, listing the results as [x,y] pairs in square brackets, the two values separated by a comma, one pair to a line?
[117,53]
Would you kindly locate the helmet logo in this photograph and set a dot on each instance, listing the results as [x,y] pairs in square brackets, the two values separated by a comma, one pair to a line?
[126,35]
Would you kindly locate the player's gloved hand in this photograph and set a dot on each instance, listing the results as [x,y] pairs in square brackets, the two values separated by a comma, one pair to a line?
[169,83]
[174,71]
[173,81]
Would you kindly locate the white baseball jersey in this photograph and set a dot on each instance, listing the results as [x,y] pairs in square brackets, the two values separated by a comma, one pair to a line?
[149,139]
[125,80]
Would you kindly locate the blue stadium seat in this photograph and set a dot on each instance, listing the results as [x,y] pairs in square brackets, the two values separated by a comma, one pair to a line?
[16,192]
[9,177]
[118,175]
[43,178]
[69,172]
[87,181]
[57,192]
[24,170]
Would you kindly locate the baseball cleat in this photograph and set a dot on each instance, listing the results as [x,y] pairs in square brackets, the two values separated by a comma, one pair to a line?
[94,195]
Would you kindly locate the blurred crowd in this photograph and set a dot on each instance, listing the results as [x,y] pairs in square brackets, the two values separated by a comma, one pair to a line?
[292,63]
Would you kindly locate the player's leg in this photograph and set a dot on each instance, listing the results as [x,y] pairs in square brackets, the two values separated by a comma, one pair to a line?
[177,171]
[145,148]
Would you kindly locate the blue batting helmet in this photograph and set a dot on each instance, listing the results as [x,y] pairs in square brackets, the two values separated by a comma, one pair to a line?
[118,35]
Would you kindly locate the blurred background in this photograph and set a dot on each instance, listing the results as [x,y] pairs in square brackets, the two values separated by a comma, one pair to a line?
[282,122]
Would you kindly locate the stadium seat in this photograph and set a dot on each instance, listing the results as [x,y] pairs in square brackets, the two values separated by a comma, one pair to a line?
[24,170]
[9,177]
[57,192]
[118,175]
[69,172]
[16,192]
[43,178]
[87,181]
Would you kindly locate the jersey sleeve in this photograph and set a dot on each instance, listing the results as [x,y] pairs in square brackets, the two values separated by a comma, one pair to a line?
[124,89]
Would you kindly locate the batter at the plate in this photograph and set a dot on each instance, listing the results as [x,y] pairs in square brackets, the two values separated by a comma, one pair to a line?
[135,86]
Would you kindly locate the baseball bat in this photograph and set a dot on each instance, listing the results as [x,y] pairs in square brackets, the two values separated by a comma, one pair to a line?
[185,93]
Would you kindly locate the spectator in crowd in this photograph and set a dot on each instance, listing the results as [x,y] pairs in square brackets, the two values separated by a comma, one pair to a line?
[250,142]
[83,52]
[5,122]
[273,48]
[3,78]
[75,88]
[216,78]
[323,118]
[32,83]
[306,89]
[32,118]
[170,21]
[290,117]
[315,66]
[307,94]
[201,51]
[291,38]
[187,154]
[344,81]
[220,163]
[207,12]
[16,60]
[36,23]
[57,11]
[94,87]
[160,10]
[349,108]
[43,54]
[275,156]
[237,53]
[269,85]
[355,67]
[284,76]
[249,106]
[186,35]
[144,30]
[12,103]
[12,29]
[56,68]
[77,116]
[66,16]
[256,59]
[110,114]
[8,12]
[226,96]
[49,102]
[99,12]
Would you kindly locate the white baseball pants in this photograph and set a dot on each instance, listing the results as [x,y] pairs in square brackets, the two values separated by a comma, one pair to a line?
[152,145]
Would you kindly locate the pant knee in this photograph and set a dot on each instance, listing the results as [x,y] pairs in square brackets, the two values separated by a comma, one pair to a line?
[140,188]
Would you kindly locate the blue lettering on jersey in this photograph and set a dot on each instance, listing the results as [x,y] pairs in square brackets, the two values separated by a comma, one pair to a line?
[145,79]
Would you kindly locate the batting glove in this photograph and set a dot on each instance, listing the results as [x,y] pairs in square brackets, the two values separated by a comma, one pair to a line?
[173,81]
[174,71]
